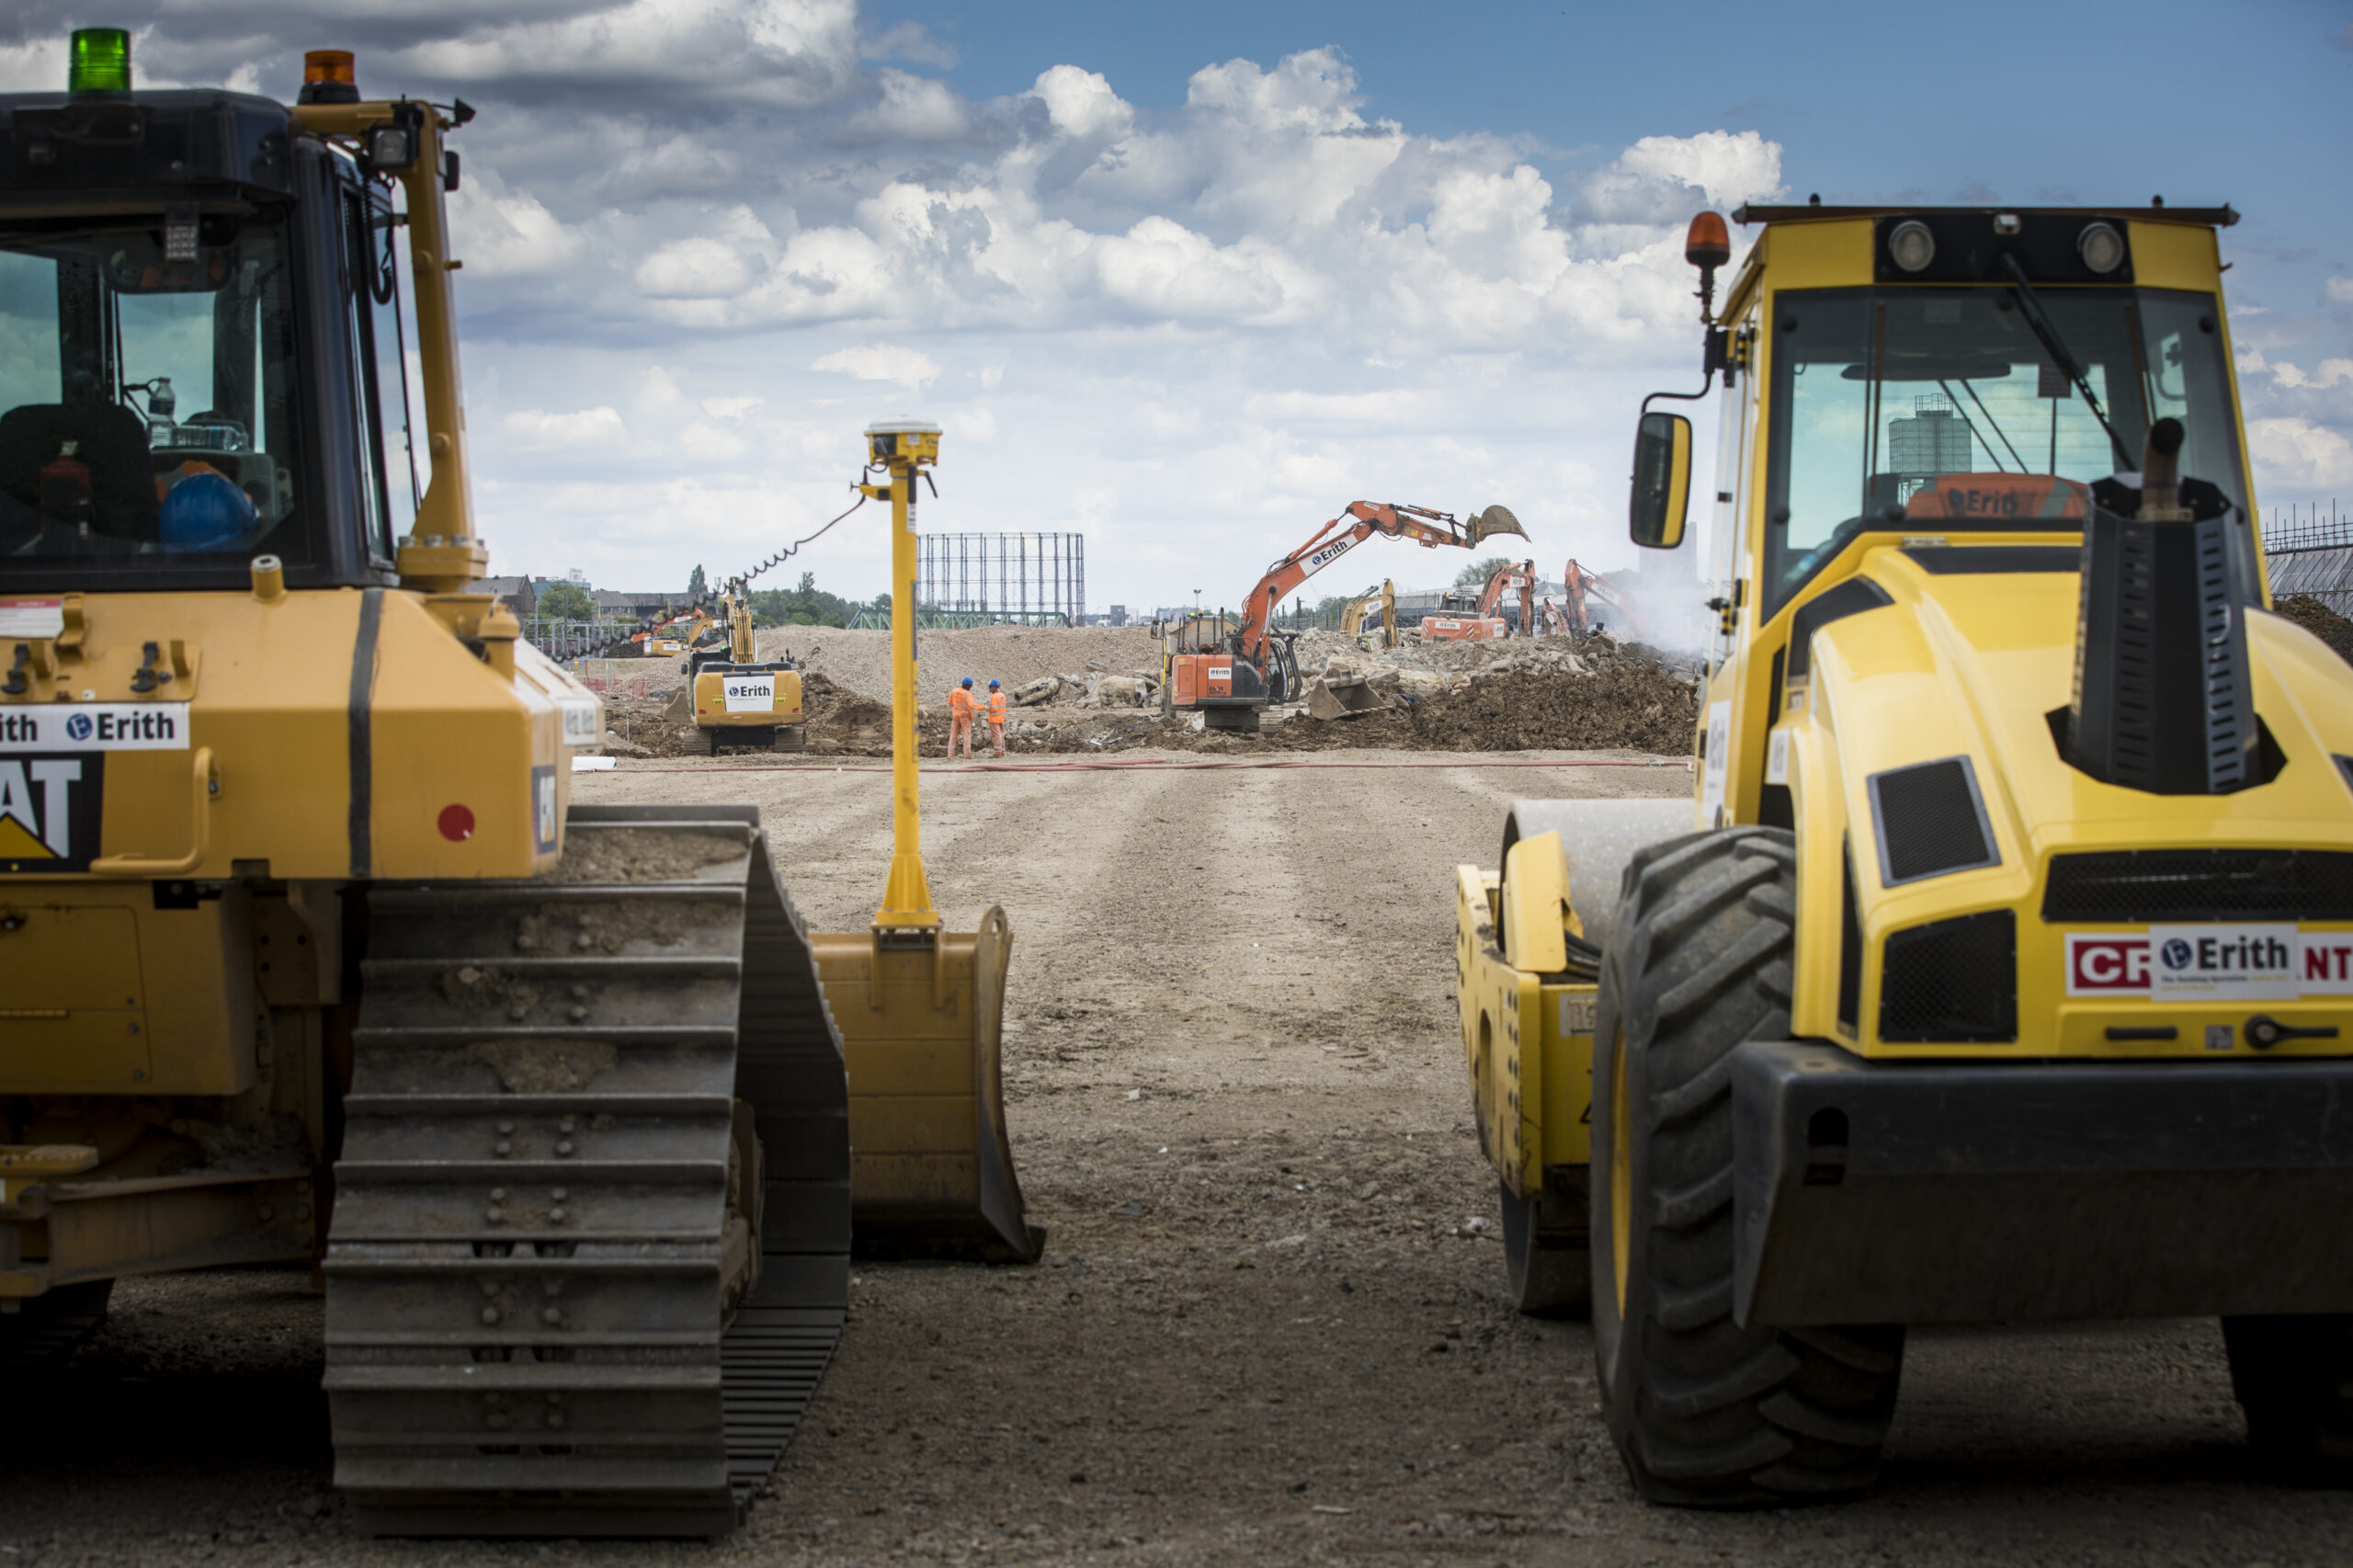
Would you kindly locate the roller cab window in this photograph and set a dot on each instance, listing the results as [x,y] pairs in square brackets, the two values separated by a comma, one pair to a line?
[1940,409]
[150,421]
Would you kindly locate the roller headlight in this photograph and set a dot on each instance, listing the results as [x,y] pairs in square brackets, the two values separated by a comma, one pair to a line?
[1911,247]
[2101,247]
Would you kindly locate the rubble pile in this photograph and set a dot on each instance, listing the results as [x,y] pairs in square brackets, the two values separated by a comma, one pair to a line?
[1516,694]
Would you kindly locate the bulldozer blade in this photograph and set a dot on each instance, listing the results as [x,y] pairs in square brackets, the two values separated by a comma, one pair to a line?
[1493,521]
[1329,699]
[931,1170]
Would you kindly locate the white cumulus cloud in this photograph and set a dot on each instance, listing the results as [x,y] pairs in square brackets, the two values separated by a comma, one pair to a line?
[543,431]
[2300,454]
[881,362]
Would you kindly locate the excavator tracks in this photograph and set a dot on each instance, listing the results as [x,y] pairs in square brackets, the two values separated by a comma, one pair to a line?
[589,1254]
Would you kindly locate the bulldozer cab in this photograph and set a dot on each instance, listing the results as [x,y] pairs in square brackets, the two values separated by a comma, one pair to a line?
[205,320]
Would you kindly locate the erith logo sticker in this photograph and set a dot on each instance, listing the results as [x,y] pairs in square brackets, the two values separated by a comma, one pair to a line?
[94,726]
[1330,554]
[2269,962]
[49,812]
[750,694]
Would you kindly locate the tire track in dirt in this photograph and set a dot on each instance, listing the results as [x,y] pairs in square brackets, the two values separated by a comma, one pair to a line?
[1263,1331]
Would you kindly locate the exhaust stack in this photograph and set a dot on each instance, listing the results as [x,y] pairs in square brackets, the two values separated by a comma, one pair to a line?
[2162,699]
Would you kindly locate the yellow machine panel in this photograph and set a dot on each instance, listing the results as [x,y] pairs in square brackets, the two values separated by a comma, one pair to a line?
[1527,1044]
[747,698]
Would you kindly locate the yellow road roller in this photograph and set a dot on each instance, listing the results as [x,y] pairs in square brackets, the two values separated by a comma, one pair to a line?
[2000,967]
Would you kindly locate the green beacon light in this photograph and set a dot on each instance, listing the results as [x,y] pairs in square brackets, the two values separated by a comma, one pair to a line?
[99,60]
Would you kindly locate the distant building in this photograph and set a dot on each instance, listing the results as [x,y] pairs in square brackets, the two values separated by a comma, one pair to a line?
[1119,614]
[519,593]
[613,604]
[1934,441]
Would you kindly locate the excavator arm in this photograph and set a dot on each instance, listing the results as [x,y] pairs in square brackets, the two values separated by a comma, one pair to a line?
[739,625]
[1520,574]
[1359,521]
[1585,588]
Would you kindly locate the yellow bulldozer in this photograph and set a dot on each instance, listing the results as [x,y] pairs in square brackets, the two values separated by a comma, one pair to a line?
[305,954]
[2001,966]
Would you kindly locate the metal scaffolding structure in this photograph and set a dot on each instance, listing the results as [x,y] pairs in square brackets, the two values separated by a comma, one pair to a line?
[1008,576]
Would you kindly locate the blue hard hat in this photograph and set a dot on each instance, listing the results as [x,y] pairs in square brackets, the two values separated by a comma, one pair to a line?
[205,511]
[968,680]
[993,681]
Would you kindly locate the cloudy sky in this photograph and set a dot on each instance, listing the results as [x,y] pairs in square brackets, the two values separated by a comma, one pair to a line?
[1188,279]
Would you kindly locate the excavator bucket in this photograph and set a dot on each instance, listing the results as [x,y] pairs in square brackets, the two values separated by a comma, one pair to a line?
[931,1172]
[1493,521]
[1342,696]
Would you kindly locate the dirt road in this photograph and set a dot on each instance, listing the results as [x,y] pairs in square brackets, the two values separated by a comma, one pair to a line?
[1270,1326]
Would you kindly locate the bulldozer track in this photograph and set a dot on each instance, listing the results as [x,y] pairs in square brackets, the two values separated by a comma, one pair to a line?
[548,1203]
[42,1334]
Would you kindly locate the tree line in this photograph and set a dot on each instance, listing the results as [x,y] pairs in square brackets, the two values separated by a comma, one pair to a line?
[805,604]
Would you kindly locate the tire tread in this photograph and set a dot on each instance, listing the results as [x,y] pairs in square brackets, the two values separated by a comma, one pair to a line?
[1708,1413]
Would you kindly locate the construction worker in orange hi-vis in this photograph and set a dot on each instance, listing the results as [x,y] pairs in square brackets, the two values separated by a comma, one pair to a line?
[996,715]
[964,706]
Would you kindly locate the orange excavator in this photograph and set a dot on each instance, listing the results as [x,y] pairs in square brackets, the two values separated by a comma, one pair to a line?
[1229,667]
[1587,591]
[1483,623]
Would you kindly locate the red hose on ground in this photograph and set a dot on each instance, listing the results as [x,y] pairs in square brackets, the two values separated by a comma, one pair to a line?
[1146,764]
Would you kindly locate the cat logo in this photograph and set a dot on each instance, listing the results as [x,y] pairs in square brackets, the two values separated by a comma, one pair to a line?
[49,811]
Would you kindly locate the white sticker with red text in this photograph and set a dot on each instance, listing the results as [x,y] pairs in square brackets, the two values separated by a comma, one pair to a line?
[31,618]
[2270,961]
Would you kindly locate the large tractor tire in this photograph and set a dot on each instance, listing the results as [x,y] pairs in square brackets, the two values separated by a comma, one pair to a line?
[2294,1378]
[1708,1413]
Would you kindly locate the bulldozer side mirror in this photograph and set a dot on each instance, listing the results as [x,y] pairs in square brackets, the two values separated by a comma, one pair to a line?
[1662,481]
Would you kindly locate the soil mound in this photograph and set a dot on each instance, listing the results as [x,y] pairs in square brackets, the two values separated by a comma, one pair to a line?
[2320,621]
[1639,707]
[843,722]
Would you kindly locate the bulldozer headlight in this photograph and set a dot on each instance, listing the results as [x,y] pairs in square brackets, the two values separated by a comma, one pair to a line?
[2101,246]
[392,148]
[98,60]
[1911,247]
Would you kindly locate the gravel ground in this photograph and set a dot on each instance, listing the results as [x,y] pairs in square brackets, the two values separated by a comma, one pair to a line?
[1271,1325]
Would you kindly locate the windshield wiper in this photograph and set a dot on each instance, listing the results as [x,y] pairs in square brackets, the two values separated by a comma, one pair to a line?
[2030,307]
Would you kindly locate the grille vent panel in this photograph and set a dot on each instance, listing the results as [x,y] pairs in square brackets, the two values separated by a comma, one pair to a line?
[2140,885]
[1953,980]
[1931,822]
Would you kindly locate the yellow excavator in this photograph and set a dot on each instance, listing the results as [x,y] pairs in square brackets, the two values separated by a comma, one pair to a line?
[1373,612]
[738,699]
[305,954]
[2000,967]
